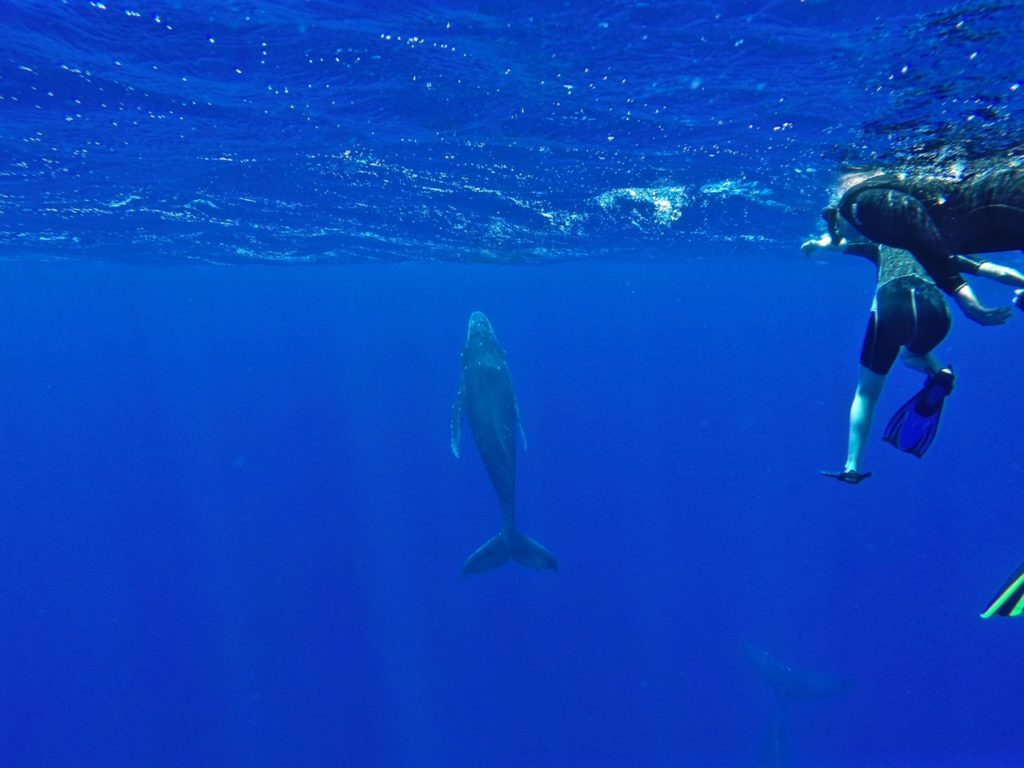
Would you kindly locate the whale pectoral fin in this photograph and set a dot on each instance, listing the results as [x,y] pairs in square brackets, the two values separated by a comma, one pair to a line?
[457,420]
[519,423]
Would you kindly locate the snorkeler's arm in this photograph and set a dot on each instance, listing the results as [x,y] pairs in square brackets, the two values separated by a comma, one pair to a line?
[976,311]
[993,271]
[1000,273]
[824,243]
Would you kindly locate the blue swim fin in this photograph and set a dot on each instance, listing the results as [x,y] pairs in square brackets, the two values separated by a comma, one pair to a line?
[912,428]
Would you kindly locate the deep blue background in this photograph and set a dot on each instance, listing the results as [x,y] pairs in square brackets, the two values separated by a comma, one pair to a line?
[239,245]
[233,529]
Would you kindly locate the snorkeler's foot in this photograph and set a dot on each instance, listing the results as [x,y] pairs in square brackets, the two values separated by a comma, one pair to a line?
[847,476]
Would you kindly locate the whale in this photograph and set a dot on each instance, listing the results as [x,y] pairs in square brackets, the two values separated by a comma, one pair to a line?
[487,402]
[789,684]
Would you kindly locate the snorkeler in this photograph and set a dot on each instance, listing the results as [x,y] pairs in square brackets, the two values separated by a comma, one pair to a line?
[909,318]
[936,218]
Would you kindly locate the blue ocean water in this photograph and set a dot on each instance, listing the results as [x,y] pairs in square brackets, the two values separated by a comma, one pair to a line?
[240,245]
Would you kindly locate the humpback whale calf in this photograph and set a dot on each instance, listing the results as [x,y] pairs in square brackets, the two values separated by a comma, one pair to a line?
[489,404]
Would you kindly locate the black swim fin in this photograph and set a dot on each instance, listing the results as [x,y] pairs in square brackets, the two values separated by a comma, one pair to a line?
[912,428]
[847,476]
[1009,601]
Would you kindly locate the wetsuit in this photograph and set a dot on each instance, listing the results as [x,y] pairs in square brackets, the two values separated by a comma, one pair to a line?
[908,310]
[935,218]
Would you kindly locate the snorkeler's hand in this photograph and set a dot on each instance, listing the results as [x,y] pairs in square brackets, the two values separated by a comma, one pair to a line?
[978,312]
[987,315]
[810,246]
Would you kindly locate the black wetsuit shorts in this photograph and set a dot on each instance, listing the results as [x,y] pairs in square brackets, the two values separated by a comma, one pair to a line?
[909,312]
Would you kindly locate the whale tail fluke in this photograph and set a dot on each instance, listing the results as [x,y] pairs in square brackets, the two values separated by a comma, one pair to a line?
[510,545]
[789,684]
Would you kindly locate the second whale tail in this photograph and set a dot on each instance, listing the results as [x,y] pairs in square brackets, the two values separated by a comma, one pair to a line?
[788,684]
[510,545]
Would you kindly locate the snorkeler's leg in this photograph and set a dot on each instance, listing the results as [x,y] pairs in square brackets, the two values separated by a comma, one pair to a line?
[862,411]
[882,342]
[890,324]
[928,363]
[932,321]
